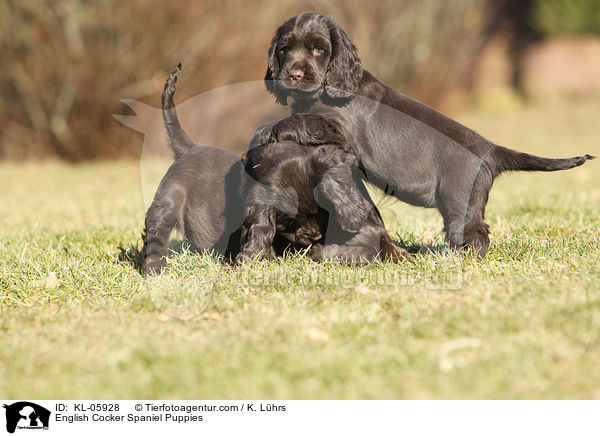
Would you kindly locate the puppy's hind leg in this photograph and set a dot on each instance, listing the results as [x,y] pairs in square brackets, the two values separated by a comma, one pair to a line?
[463,207]
[160,220]
[476,233]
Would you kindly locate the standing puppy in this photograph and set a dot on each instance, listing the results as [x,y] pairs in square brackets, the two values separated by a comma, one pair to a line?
[199,194]
[408,149]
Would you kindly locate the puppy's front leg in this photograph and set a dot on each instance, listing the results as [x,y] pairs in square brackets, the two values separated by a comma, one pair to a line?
[258,232]
[339,192]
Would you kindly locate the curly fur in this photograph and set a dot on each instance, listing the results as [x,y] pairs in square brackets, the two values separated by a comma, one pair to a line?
[312,194]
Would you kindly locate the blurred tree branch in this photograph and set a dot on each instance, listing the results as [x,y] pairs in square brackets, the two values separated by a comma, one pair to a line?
[67,63]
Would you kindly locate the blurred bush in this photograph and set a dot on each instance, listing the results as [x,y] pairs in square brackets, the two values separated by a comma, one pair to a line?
[565,17]
[66,64]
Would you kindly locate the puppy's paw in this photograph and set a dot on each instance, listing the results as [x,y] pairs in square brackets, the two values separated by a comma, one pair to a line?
[283,131]
[477,238]
[478,246]
[393,253]
[315,252]
[244,256]
[308,129]
[153,266]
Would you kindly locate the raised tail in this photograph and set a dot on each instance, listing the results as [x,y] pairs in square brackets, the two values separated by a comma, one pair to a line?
[179,141]
[511,160]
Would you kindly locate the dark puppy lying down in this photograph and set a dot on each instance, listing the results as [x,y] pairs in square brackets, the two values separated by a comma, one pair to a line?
[312,194]
[407,149]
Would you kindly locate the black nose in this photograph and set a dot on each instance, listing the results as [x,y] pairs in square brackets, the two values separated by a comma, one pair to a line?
[295,75]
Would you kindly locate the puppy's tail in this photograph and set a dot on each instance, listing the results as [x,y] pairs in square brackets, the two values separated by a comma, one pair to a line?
[511,160]
[179,141]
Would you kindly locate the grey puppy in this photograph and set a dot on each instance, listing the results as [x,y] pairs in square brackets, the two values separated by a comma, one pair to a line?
[408,149]
[199,194]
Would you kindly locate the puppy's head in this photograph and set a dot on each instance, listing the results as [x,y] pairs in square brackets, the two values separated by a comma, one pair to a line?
[311,56]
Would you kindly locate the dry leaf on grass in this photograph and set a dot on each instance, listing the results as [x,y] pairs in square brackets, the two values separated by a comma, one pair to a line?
[316,334]
[50,282]
[427,238]
[446,353]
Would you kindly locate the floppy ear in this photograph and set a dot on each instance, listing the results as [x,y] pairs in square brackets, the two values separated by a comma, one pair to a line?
[273,68]
[344,70]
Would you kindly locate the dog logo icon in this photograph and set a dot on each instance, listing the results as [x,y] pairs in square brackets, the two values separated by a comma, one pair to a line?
[26,415]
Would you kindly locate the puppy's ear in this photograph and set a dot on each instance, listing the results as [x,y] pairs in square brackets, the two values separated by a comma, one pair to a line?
[345,69]
[273,68]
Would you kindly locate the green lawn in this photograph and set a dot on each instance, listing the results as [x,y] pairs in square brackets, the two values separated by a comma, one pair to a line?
[78,321]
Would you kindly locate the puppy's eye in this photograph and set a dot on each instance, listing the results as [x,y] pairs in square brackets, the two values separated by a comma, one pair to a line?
[316,51]
[283,50]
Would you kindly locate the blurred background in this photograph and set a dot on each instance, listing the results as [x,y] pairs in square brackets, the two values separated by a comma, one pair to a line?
[67,64]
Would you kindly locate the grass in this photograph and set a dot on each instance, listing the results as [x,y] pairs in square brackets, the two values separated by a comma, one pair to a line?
[78,321]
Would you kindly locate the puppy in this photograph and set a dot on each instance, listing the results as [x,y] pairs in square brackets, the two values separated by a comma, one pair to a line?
[320,200]
[407,149]
[199,194]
